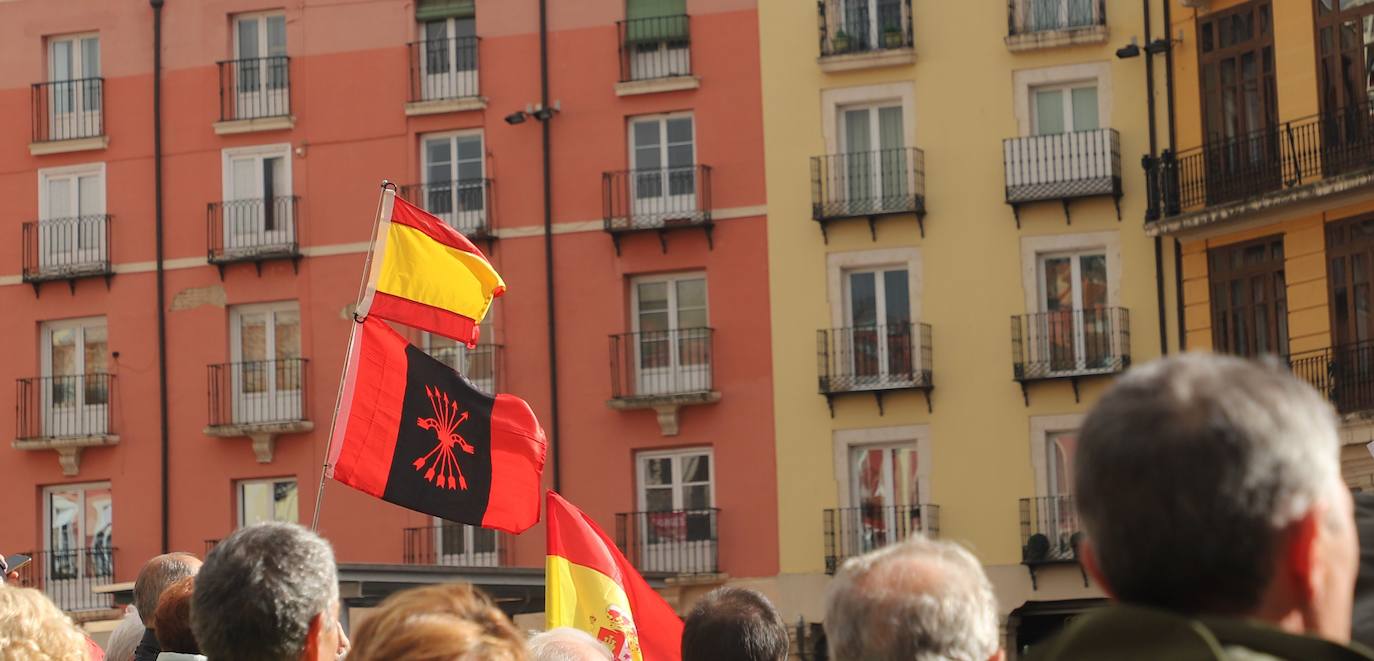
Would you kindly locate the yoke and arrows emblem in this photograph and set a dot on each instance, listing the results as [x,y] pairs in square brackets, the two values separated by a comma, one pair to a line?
[445,425]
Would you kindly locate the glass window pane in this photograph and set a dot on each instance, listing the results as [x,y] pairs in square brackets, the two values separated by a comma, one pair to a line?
[697,497]
[863,301]
[1058,284]
[1085,109]
[470,148]
[691,293]
[856,131]
[1094,273]
[248,38]
[99,526]
[658,500]
[60,198]
[890,128]
[696,468]
[95,349]
[64,510]
[896,299]
[253,336]
[64,356]
[255,503]
[276,35]
[646,134]
[90,57]
[284,501]
[1049,112]
[680,130]
[62,65]
[90,194]
[658,471]
[287,334]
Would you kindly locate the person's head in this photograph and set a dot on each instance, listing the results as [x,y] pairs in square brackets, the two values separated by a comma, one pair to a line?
[920,599]
[172,619]
[32,628]
[268,592]
[156,575]
[1211,485]
[125,637]
[437,623]
[567,644]
[734,624]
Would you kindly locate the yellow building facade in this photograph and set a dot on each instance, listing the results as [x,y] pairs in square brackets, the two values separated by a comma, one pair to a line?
[1271,195]
[936,170]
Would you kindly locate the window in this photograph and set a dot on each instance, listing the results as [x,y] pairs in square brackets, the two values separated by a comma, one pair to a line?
[1039,15]
[466,546]
[656,41]
[268,500]
[76,390]
[886,492]
[1349,250]
[265,346]
[1249,298]
[1057,512]
[448,58]
[867,25]
[676,495]
[872,141]
[71,210]
[1345,51]
[672,339]
[478,364]
[74,91]
[80,539]
[1065,108]
[261,65]
[259,210]
[663,157]
[878,332]
[1074,325]
[455,187]
[1239,98]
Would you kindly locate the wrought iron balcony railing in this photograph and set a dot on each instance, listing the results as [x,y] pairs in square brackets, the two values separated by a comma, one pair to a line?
[456,545]
[254,88]
[655,47]
[675,541]
[864,26]
[1050,531]
[444,69]
[465,205]
[253,230]
[68,109]
[1027,16]
[258,392]
[68,575]
[890,357]
[656,198]
[1062,166]
[66,406]
[66,248]
[1067,343]
[1345,374]
[868,184]
[481,364]
[652,364]
[854,531]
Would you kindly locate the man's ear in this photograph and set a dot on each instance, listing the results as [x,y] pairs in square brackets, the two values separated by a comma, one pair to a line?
[1087,556]
[1299,556]
[314,637]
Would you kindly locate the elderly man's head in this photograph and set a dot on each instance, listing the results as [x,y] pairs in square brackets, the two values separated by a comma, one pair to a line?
[921,599]
[268,592]
[156,575]
[1211,485]
[567,644]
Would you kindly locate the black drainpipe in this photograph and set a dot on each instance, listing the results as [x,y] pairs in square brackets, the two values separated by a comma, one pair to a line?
[1173,149]
[161,274]
[548,241]
[1154,154]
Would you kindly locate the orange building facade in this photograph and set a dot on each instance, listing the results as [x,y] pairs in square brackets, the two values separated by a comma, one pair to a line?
[278,122]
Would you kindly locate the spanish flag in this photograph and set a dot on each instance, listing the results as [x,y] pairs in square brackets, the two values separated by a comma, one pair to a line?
[427,275]
[590,586]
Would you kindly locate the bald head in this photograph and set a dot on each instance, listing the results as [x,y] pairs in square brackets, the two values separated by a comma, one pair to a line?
[156,575]
[567,644]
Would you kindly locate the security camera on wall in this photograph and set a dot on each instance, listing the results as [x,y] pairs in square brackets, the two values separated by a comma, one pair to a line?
[1195,4]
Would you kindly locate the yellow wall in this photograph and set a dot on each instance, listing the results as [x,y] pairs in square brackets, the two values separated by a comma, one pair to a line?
[972,265]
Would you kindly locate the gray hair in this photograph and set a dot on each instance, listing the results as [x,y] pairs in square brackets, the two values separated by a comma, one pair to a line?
[921,600]
[567,644]
[259,590]
[156,575]
[125,637]
[1187,470]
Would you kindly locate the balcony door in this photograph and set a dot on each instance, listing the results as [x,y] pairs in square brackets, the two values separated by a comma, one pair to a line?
[76,390]
[79,544]
[866,22]
[448,65]
[885,493]
[1239,102]
[73,96]
[1043,15]
[1059,507]
[1074,331]
[875,160]
[663,156]
[1249,298]
[672,343]
[71,229]
[262,78]
[1065,108]
[879,339]
[462,545]
[676,495]
[455,189]
[656,36]
[1350,259]
[266,370]
[258,210]
[1345,83]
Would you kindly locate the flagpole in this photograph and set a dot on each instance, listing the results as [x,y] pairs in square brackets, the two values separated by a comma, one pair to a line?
[348,354]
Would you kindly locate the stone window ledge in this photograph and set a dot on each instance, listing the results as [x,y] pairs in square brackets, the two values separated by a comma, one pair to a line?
[1029,41]
[68,448]
[68,146]
[441,106]
[870,60]
[666,406]
[263,434]
[236,126]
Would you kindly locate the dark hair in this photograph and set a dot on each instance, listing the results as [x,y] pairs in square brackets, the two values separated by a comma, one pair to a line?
[172,619]
[734,624]
[155,576]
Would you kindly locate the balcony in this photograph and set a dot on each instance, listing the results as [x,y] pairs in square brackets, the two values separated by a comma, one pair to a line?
[662,370]
[444,76]
[456,545]
[1069,344]
[1049,533]
[66,414]
[465,205]
[682,542]
[68,116]
[68,576]
[259,399]
[655,55]
[1035,24]
[254,230]
[1344,374]
[657,200]
[854,531]
[1234,178]
[67,249]
[868,185]
[481,364]
[254,95]
[1063,167]
[860,34]
[876,360]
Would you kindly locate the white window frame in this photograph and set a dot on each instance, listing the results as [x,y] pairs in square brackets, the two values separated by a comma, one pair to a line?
[68,114]
[834,101]
[840,264]
[662,120]
[464,220]
[874,125]
[263,43]
[77,59]
[470,557]
[88,418]
[286,402]
[47,174]
[846,441]
[687,556]
[54,238]
[271,482]
[676,455]
[250,103]
[1042,429]
[1073,75]
[1035,248]
[1065,90]
[85,577]
[445,84]
[236,217]
[666,200]
[679,376]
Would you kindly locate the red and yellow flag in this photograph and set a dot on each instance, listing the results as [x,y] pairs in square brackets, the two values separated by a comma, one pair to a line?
[427,275]
[590,586]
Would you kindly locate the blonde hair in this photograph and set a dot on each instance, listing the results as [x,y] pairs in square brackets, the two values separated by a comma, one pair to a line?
[33,629]
[438,623]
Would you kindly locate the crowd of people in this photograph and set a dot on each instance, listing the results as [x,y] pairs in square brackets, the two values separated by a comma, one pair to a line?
[1209,488]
